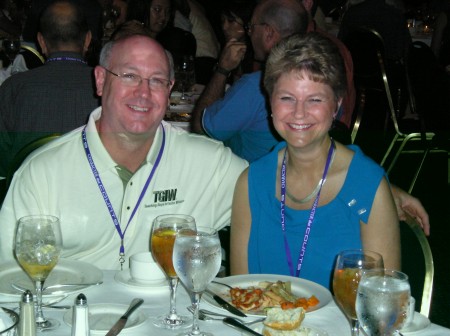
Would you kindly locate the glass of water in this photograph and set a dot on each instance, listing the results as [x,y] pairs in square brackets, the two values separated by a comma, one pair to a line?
[382,301]
[196,258]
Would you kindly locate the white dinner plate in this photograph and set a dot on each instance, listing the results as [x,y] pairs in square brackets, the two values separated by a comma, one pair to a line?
[305,329]
[103,316]
[419,323]
[300,288]
[124,278]
[186,108]
[66,271]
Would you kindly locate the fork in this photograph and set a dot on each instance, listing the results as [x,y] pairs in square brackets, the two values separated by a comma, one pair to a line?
[221,283]
[206,315]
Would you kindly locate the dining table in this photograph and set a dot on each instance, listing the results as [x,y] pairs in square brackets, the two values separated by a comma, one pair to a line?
[114,291]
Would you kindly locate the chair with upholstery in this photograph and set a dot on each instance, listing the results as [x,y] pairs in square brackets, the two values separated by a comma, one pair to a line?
[24,152]
[415,247]
[372,79]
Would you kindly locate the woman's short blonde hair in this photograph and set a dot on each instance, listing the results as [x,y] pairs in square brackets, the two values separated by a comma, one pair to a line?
[310,54]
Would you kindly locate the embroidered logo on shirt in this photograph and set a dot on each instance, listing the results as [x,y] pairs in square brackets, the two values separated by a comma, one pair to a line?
[164,197]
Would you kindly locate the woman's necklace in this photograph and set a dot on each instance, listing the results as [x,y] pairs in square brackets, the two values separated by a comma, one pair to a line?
[313,193]
[307,198]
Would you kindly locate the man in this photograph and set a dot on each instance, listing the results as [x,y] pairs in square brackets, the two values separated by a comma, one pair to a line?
[109,180]
[53,98]
[241,118]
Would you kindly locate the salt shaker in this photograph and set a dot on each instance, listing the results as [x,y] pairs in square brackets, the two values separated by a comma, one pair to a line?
[80,320]
[27,322]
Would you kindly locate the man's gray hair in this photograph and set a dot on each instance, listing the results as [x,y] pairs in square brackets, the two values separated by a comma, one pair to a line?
[287,17]
[106,53]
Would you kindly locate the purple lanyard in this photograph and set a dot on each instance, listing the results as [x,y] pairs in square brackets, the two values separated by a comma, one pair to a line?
[311,214]
[57,59]
[105,195]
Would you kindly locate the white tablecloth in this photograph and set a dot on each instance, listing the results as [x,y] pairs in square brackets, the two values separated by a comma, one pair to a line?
[156,302]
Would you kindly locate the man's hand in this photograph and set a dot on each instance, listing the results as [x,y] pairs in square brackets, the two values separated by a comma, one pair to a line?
[412,206]
[232,54]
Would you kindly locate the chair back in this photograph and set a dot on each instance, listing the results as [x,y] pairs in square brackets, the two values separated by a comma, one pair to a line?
[24,152]
[371,79]
[416,247]
[33,58]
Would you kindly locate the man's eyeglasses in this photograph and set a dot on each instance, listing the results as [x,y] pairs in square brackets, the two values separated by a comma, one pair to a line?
[250,26]
[134,80]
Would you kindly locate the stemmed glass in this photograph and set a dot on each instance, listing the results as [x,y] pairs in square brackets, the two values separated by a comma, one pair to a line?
[383,301]
[196,259]
[347,273]
[164,230]
[185,75]
[38,246]
[11,48]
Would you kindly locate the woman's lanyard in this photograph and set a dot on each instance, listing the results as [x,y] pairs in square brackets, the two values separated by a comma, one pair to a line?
[105,195]
[311,214]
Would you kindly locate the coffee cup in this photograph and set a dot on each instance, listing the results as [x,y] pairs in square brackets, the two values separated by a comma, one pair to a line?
[144,269]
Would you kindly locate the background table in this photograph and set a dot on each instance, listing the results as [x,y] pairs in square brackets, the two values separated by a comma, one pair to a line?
[156,302]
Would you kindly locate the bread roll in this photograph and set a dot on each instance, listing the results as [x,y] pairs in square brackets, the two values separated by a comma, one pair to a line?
[289,319]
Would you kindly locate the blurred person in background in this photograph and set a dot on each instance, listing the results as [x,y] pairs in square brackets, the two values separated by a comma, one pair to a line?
[157,17]
[235,17]
[56,97]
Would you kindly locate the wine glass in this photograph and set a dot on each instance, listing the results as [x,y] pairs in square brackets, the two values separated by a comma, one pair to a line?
[38,247]
[347,273]
[185,76]
[11,48]
[162,240]
[196,258]
[382,302]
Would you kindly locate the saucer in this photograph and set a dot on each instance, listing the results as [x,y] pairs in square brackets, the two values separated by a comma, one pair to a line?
[103,316]
[124,278]
[419,323]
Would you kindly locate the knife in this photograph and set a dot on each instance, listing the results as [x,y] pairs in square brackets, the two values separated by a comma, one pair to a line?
[120,324]
[232,322]
[226,305]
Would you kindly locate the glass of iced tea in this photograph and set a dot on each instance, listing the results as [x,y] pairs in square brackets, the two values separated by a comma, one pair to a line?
[162,239]
[347,274]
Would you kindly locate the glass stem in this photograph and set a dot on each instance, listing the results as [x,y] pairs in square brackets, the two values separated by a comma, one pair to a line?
[173,284]
[195,299]
[40,319]
[354,323]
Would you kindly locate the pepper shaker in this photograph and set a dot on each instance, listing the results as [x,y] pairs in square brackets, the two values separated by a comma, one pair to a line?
[27,322]
[80,319]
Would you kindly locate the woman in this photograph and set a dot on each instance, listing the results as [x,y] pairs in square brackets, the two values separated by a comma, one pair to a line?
[277,227]
[235,17]
[157,17]
[154,14]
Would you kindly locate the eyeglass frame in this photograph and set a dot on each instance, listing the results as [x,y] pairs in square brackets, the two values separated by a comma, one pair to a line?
[141,79]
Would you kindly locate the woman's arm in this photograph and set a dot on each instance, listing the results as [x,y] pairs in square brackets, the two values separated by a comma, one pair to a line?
[240,226]
[382,232]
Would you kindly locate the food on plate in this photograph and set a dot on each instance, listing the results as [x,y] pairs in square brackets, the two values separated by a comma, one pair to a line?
[269,294]
[284,322]
[177,116]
